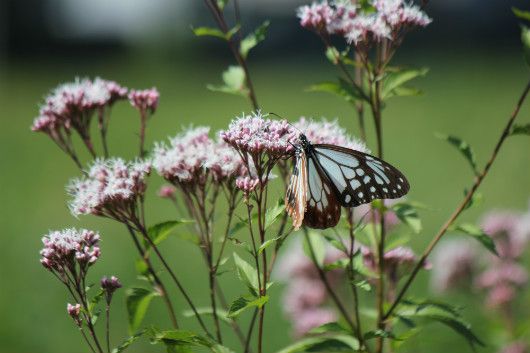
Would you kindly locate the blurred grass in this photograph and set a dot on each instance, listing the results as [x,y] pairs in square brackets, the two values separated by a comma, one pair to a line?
[469,95]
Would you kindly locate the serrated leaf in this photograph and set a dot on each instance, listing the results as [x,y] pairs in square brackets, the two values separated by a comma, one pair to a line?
[328,343]
[161,231]
[242,303]
[525,39]
[221,314]
[272,214]
[523,15]
[408,215]
[463,147]
[317,248]
[137,302]
[395,80]
[253,39]
[128,341]
[478,234]
[520,129]
[247,274]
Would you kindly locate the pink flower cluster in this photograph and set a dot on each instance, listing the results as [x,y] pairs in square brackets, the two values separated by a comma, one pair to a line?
[384,19]
[247,184]
[109,286]
[254,135]
[71,104]
[65,249]
[111,187]
[501,277]
[306,295]
[191,157]
[144,100]
[398,260]
[329,132]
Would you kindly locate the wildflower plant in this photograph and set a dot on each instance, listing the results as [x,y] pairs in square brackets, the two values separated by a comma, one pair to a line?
[347,288]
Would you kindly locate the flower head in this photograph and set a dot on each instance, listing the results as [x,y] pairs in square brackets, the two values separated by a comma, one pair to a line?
[191,157]
[515,347]
[397,261]
[312,318]
[167,192]
[109,286]
[144,100]
[110,185]
[316,16]
[65,249]
[503,227]
[502,282]
[74,311]
[454,263]
[255,135]
[329,132]
[247,184]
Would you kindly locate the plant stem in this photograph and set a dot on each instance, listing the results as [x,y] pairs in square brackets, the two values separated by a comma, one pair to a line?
[143,121]
[161,287]
[326,283]
[86,339]
[351,271]
[219,18]
[461,207]
[173,276]
[107,328]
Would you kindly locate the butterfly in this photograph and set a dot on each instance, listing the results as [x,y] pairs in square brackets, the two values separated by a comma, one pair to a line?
[326,177]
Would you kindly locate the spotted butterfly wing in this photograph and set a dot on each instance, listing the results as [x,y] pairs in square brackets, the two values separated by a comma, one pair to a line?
[359,178]
[326,177]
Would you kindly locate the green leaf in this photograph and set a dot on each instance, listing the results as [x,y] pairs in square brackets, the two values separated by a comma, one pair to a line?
[221,4]
[408,214]
[95,300]
[161,231]
[137,302]
[525,39]
[208,31]
[523,15]
[242,303]
[329,327]
[215,32]
[463,147]
[342,89]
[520,129]
[460,327]
[394,80]
[272,214]
[328,344]
[378,333]
[253,39]
[476,199]
[267,243]
[478,234]
[234,82]
[318,245]
[420,305]
[364,285]
[128,341]
[221,314]
[247,274]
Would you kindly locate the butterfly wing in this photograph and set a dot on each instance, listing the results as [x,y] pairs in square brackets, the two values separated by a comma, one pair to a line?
[359,178]
[296,195]
[323,208]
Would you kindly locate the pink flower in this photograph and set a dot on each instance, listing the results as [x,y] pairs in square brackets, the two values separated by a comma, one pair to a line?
[502,226]
[505,272]
[329,132]
[191,157]
[73,310]
[254,135]
[397,261]
[64,249]
[515,347]
[110,185]
[315,16]
[312,318]
[144,100]
[109,286]
[167,192]
[454,262]
[247,184]
[303,293]
[500,296]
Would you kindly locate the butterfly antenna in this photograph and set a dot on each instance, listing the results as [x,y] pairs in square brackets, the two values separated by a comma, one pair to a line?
[294,127]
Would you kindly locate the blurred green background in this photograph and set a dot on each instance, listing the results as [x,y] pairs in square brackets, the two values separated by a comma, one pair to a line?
[475,77]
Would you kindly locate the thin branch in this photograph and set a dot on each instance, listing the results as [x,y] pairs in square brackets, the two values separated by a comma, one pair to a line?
[461,207]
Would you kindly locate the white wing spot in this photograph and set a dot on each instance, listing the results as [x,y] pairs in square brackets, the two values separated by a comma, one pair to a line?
[372,189]
[348,172]
[399,187]
[360,171]
[360,194]
[379,180]
[385,189]
[354,183]
[401,179]
[366,179]
[347,198]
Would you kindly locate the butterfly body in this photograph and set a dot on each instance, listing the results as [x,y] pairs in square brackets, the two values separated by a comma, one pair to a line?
[326,177]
